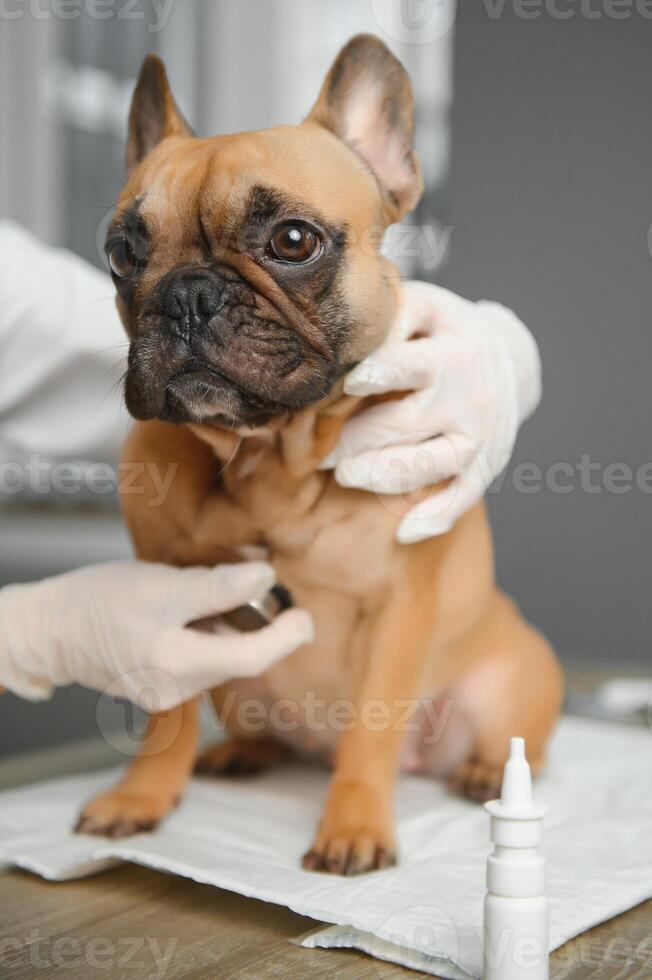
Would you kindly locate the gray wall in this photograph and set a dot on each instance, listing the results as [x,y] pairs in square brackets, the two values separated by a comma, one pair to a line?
[551,200]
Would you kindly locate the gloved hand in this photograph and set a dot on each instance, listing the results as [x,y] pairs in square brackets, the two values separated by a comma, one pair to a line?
[475,375]
[122,624]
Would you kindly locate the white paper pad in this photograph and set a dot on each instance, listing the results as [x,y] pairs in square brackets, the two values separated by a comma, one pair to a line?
[248,836]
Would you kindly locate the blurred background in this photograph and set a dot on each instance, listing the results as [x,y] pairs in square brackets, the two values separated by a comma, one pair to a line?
[535,133]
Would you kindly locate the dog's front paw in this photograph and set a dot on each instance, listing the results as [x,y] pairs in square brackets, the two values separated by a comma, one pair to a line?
[477,780]
[118,813]
[356,833]
[240,757]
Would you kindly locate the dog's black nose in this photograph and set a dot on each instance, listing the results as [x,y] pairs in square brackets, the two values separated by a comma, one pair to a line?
[191,300]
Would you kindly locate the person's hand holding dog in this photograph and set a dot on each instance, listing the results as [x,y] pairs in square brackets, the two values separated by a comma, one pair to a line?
[473,375]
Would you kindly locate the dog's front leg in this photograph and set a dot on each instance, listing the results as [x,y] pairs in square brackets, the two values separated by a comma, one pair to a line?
[357,833]
[154,782]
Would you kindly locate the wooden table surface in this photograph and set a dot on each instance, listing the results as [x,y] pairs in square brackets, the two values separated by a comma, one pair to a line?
[137,923]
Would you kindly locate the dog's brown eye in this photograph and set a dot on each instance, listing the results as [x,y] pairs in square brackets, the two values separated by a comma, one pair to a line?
[294,243]
[122,259]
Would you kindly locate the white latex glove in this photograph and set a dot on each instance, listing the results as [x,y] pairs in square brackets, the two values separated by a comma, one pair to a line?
[475,375]
[121,625]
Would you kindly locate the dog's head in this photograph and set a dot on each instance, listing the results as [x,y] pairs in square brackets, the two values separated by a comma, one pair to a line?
[248,269]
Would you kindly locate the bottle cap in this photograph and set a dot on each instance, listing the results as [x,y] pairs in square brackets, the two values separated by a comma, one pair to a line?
[516,802]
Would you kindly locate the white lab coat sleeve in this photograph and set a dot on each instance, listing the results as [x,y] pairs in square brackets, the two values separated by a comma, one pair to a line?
[62,354]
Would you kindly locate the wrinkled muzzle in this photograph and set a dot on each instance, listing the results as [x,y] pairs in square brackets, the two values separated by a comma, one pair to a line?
[207,347]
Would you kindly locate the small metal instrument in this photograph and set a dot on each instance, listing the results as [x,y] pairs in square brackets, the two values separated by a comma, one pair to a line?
[252,616]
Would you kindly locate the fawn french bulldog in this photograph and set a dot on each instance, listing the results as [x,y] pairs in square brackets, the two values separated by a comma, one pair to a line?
[250,280]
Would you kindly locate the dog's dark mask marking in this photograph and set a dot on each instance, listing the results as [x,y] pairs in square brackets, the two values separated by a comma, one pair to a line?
[205,338]
[206,345]
[242,279]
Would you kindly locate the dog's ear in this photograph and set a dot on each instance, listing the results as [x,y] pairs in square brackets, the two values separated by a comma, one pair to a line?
[366,100]
[154,113]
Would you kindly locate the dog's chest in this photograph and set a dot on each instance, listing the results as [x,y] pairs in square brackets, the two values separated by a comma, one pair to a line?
[318,535]
[333,549]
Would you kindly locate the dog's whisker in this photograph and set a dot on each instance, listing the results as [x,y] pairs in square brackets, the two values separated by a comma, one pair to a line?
[115,388]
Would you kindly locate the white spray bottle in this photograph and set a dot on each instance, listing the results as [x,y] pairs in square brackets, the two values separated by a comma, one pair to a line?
[515,908]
